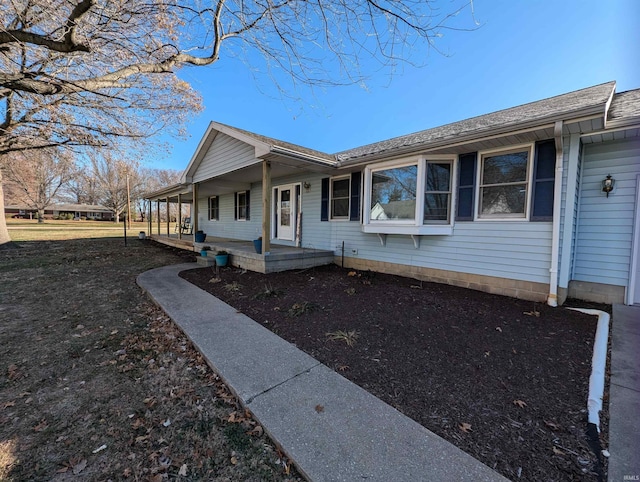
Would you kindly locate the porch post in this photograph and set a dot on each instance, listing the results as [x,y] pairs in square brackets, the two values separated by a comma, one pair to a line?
[194,212]
[266,207]
[179,216]
[168,218]
[158,220]
[149,220]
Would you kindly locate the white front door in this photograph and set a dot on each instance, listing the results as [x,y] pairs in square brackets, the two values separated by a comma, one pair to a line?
[286,212]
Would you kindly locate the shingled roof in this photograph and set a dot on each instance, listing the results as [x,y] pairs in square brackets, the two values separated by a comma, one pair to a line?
[592,100]
[625,108]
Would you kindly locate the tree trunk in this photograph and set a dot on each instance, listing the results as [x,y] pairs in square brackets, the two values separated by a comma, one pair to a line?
[40,215]
[5,240]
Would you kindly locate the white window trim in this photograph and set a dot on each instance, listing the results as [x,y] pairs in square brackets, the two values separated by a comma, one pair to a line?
[339,218]
[529,182]
[237,204]
[452,163]
[417,225]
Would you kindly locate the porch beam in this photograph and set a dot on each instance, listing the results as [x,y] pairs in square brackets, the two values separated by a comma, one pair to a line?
[194,212]
[179,216]
[266,207]
[168,218]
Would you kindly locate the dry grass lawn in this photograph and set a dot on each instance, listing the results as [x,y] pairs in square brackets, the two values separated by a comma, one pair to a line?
[96,383]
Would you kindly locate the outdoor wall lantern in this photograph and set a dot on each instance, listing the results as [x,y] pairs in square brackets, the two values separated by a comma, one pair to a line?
[607,184]
[307,186]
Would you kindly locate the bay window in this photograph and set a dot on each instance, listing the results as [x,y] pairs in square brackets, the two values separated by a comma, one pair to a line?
[411,196]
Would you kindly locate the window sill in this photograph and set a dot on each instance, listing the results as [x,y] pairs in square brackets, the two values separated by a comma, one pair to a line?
[424,230]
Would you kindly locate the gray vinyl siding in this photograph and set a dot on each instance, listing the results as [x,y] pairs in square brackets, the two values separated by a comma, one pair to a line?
[513,250]
[226,154]
[605,225]
[227,226]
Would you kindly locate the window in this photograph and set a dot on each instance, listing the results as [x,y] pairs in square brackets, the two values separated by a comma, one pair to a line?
[393,194]
[340,195]
[437,195]
[214,208]
[413,196]
[242,206]
[504,184]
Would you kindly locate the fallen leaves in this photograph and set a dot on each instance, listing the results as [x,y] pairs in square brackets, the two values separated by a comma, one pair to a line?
[43,425]
[13,373]
[520,403]
[552,425]
[465,427]
[319,408]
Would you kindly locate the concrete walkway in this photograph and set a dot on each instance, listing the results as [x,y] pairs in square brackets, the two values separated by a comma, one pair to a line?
[332,429]
[624,395]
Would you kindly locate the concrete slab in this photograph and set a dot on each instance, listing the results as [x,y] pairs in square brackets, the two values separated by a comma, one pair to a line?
[624,395]
[250,358]
[625,358]
[624,434]
[336,431]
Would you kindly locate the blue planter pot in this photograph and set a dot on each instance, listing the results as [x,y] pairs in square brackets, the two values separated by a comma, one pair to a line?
[222,259]
[200,237]
[257,245]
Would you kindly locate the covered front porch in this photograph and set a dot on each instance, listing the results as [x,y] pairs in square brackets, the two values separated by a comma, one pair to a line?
[242,253]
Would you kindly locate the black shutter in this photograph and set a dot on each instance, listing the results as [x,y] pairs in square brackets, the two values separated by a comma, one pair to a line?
[543,181]
[248,201]
[324,201]
[354,208]
[466,186]
[235,206]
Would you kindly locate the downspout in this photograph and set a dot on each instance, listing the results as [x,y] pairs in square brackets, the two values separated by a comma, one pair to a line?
[552,300]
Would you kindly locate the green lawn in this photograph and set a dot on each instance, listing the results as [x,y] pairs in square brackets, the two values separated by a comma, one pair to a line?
[22,230]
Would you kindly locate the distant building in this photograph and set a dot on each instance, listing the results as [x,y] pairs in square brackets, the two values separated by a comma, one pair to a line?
[78,211]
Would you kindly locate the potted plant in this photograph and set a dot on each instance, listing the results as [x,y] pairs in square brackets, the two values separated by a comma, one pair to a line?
[200,236]
[203,251]
[222,258]
[257,245]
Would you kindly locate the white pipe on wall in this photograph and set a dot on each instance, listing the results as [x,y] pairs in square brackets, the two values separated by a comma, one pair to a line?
[552,300]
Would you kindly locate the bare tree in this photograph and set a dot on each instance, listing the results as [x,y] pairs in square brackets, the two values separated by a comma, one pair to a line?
[97,72]
[38,176]
[154,179]
[111,175]
[82,189]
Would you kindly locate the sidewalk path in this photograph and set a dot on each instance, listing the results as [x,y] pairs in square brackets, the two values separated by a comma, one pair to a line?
[624,395]
[331,428]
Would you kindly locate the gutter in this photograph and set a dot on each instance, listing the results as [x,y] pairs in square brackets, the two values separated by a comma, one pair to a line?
[552,299]
[284,151]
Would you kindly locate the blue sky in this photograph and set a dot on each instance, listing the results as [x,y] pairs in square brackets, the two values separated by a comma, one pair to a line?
[522,51]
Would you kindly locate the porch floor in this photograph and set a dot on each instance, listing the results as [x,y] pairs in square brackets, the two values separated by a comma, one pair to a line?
[242,253]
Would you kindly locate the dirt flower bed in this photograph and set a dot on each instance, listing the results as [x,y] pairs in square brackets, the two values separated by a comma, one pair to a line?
[505,380]
[97,384]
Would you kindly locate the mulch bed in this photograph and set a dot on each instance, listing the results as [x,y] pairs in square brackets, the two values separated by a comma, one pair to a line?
[505,380]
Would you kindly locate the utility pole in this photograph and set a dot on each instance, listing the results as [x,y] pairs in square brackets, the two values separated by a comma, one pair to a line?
[128,203]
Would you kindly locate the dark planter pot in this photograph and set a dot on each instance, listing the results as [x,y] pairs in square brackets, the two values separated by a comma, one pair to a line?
[257,245]
[200,237]
[222,259]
